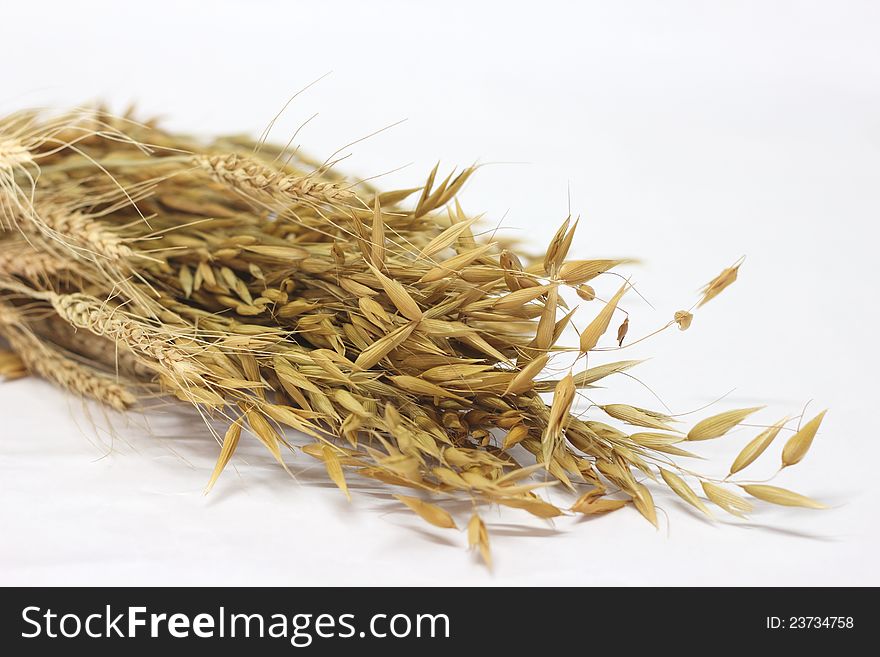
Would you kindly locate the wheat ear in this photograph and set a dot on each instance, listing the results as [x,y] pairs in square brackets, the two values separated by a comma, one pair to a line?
[88,312]
[252,176]
[50,363]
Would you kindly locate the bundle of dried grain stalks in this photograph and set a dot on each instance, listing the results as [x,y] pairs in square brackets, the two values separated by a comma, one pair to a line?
[264,290]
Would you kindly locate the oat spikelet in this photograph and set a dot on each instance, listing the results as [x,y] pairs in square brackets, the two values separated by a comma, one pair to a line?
[563,397]
[525,378]
[596,328]
[781,496]
[684,319]
[730,502]
[478,538]
[718,425]
[429,512]
[593,503]
[227,449]
[798,445]
[718,284]
[334,470]
[685,492]
[577,272]
[644,502]
[756,447]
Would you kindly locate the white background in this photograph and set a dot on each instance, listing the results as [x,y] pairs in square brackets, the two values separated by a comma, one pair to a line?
[686,133]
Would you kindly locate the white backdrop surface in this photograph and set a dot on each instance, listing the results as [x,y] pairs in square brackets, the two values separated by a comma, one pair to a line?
[684,133]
